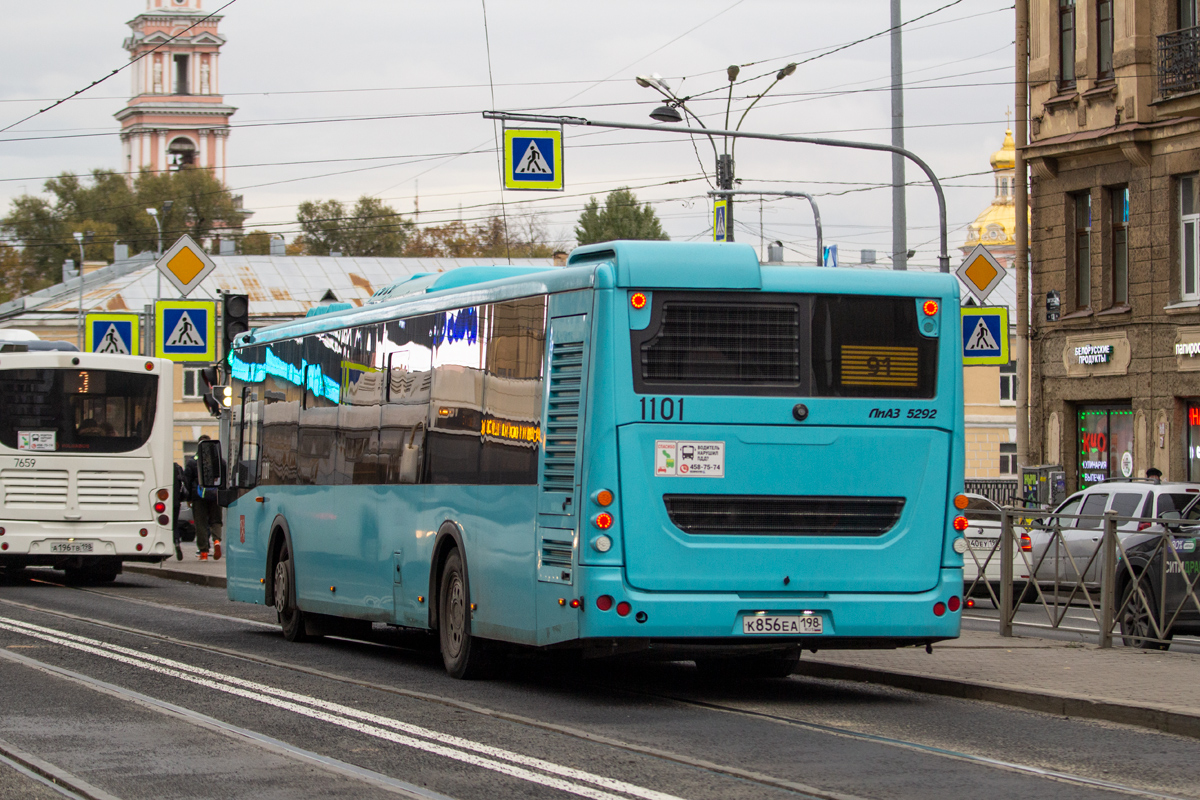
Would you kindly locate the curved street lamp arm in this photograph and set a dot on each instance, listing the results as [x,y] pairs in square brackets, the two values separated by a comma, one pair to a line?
[816,212]
[943,256]
[747,111]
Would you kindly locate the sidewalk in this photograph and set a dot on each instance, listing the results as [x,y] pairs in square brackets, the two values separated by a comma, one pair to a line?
[1147,688]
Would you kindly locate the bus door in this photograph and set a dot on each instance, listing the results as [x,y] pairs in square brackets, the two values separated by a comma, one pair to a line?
[558,490]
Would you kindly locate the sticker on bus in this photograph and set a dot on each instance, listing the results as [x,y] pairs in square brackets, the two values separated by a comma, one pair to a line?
[37,440]
[689,459]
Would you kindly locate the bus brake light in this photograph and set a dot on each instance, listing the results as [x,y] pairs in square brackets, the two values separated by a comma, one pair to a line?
[638,300]
[930,307]
[960,523]
[603,520]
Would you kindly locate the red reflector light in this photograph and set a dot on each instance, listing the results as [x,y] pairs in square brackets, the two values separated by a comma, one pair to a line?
[954,604]
[638,300]
[139,547]
[163,494]
[164,520]
[939,608]
[960,523]
[1,531]
[3,545]
[1026,542]
[624,608]
[575,603]
[930,307]
[143,532]
[603,520]
[604,602]
[160,508]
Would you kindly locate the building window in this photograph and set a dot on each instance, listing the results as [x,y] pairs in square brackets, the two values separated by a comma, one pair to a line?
[1105,444]
[1066,50]
[1187,14]
[1104,27]
[189,450]
[1008,458]
[1008,384]
[191,384]
[1083,250]
[1189,230]
[181,75]
[1120,245]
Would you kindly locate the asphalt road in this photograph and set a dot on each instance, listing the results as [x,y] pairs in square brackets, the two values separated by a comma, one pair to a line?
[148,688]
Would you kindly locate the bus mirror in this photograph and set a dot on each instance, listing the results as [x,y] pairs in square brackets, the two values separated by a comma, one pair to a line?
[208,460]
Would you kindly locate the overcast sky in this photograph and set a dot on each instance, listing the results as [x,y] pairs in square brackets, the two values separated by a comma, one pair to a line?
[303,73]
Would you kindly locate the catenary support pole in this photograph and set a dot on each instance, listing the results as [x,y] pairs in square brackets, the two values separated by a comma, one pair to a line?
[899,212]
[1021,234]
[943,252]
[816,211]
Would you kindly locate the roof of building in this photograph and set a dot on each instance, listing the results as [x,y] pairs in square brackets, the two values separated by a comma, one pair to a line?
[278,286]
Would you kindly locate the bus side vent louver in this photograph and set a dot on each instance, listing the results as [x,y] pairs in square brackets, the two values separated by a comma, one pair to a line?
[562,418]
[725,344]
[554,561]
[783,515]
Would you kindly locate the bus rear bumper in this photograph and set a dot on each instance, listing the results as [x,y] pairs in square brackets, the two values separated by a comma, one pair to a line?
[29,543]
[847,619]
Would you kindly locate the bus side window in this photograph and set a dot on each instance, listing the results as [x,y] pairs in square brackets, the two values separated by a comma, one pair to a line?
[359,408]
[405,352]
[454,433]
[512,393]
[281,412]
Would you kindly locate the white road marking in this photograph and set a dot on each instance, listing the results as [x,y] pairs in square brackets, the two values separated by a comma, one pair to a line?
[352,718]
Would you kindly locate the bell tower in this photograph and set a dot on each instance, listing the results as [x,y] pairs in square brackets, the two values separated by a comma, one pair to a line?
[175,116]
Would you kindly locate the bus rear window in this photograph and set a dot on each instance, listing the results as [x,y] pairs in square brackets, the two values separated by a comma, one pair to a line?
[76,410]
[792,345]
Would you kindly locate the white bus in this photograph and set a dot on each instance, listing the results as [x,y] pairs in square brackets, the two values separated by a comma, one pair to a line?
[85,461]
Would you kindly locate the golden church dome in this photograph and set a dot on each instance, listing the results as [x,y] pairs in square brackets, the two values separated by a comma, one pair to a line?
[1006,156]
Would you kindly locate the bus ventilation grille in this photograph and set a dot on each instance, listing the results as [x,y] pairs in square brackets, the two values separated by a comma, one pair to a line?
[709,343]
[776,515]
[562,419]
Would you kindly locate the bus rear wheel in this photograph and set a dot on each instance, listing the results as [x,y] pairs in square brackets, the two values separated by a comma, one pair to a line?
[465,656]
[291,618]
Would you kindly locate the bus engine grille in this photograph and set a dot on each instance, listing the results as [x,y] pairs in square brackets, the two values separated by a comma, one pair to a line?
[783,515]
[725,344]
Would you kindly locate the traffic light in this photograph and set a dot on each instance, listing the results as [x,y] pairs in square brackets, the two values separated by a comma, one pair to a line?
[235,319]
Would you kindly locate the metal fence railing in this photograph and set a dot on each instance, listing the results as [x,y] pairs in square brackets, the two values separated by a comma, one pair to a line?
[1135,575]
[1002,491]
[1179,62]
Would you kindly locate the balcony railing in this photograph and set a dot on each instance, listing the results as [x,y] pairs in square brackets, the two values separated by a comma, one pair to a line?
[1179,62]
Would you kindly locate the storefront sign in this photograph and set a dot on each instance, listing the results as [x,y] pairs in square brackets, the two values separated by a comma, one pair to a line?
[1089,355]
[1187,349]
[1094,353]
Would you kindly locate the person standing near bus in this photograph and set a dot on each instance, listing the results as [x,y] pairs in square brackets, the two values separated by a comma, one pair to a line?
[179,493]
[205,511]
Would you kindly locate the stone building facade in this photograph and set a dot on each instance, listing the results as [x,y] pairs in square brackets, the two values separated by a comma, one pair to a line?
[1114,159]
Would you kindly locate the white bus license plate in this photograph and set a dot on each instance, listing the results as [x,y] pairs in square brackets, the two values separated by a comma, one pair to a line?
[982,544]
[71,547]
[773,625]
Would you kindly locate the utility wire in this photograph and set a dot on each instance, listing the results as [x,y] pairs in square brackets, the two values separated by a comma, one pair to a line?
[495,133]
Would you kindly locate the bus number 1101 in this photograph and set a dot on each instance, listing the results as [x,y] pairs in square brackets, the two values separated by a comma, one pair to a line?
[664,408]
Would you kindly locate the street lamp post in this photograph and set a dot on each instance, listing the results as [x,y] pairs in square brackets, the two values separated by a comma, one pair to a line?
[80,239]
[724,165]
[153,212]
[943,255]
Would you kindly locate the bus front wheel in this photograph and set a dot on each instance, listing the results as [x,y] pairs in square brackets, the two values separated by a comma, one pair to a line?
[464,655]
[291,618]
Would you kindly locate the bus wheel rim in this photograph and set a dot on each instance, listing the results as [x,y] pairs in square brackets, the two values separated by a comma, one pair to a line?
[455,619]
[281,587]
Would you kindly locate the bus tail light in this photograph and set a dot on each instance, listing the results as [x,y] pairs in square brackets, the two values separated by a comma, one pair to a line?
[603,497]
[163,519]
[969,603]
[623,608]
[160,508]
[954,603]
[960,523]
[603,520]
[930,307]
[604,602]
[961,501]
[637,300]
[939,609]
[1026,542]
[163,494]
[575,603]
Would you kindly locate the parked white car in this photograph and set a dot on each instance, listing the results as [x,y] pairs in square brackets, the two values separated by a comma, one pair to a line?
[981,562]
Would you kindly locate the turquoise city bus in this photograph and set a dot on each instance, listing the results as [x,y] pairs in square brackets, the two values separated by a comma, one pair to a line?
[661,447]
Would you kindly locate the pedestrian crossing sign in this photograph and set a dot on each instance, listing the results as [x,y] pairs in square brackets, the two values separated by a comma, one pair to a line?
[533,159]
[185,330]
[720,220]
[112,333]
[985,335]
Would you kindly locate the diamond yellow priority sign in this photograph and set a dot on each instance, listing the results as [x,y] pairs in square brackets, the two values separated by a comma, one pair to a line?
[185,265]
[980,272]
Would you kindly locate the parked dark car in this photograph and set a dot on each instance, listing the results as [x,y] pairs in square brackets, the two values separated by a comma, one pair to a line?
[1175,589]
